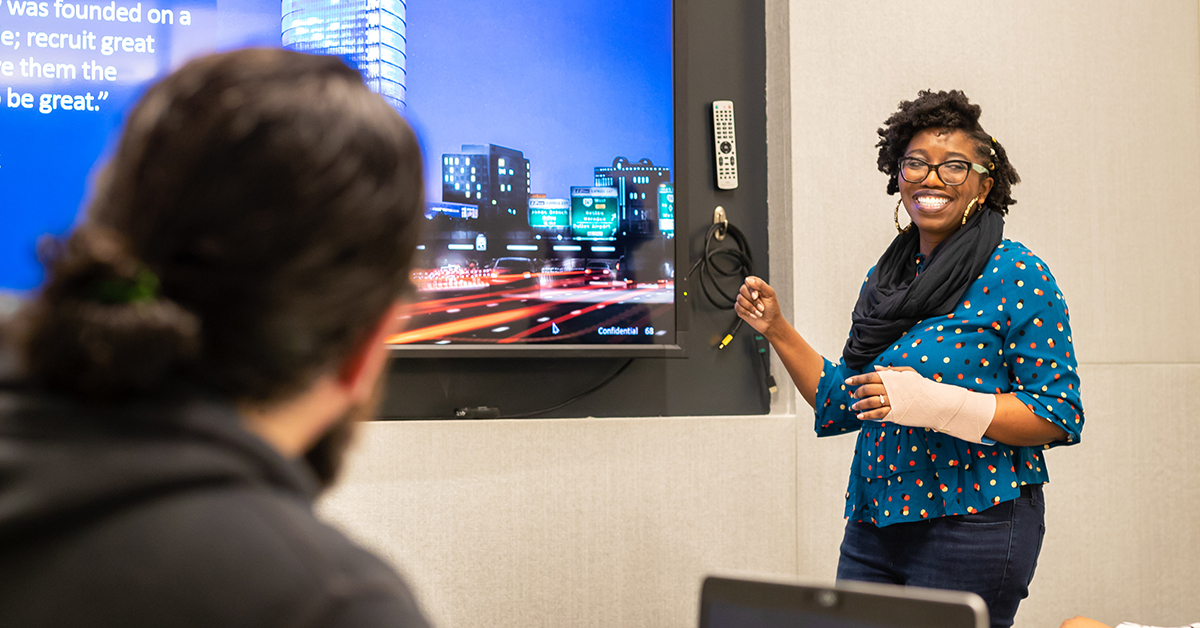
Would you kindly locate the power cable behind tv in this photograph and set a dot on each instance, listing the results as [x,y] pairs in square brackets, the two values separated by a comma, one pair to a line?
[493,412]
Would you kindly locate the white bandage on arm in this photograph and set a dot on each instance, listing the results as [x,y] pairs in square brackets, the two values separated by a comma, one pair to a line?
[949,409]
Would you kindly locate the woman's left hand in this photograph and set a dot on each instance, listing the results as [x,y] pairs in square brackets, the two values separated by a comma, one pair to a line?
[916,401]
[875,404]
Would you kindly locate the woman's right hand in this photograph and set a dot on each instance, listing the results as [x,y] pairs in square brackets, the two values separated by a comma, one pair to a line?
[758,306]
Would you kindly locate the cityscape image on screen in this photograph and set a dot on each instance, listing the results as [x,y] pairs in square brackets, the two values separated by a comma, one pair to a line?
[582,255]
[547,129]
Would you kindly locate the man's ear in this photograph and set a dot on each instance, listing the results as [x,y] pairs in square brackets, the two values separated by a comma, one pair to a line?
[361,369]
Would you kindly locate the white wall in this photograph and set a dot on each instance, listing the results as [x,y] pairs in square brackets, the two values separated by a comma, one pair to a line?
[612,522]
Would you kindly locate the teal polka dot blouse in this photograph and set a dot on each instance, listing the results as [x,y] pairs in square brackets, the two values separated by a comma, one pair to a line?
[1010,334]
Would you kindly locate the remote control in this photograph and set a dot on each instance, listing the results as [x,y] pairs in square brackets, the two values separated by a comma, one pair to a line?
[726,144]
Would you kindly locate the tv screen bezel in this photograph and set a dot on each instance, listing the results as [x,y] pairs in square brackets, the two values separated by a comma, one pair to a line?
[678,349]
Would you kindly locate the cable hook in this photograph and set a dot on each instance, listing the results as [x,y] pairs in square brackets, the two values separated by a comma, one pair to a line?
[722,222]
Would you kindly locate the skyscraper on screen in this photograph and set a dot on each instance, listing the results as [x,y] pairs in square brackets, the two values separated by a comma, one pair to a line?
[369,34]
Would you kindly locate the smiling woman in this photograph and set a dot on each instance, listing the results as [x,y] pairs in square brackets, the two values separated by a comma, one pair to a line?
[958,373]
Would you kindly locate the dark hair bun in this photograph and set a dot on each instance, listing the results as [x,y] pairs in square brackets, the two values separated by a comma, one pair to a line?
[82,336]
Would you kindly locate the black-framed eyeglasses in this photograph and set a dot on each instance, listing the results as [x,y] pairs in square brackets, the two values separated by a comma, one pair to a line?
[953,172]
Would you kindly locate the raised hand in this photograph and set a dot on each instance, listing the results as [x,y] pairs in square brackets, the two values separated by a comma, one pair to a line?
[758,305]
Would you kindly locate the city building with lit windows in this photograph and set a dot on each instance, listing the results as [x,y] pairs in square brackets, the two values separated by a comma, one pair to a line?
[493,177]
[496,179]
[369,34]
[638,186]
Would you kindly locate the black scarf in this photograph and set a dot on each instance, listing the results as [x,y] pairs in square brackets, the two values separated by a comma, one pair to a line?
[895,297]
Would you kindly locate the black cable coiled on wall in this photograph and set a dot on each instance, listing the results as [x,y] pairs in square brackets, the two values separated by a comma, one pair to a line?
[719,265]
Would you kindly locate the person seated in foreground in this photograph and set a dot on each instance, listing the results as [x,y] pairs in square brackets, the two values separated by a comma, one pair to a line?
[204,344]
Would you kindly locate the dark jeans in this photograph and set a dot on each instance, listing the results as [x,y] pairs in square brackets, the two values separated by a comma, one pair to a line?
[992,553]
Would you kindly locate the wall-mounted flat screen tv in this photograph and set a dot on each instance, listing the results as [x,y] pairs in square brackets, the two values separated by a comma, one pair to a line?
[548,129]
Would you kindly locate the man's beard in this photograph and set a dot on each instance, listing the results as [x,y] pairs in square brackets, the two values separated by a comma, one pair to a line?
[328,454]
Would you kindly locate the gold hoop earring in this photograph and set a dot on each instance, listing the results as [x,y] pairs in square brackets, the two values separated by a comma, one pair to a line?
[970,206]
[896,217]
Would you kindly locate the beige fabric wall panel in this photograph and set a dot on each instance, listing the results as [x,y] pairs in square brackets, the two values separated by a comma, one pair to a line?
[589,522]
[1097,103]
[779,181]
[1123,507]
[822,469]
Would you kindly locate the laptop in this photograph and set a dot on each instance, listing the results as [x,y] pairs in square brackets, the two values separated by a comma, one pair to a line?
[740,603]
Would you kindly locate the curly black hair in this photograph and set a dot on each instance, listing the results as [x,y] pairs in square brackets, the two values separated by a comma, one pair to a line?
[945,110]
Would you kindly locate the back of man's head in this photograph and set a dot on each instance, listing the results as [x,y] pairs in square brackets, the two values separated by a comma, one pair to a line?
[258,218]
